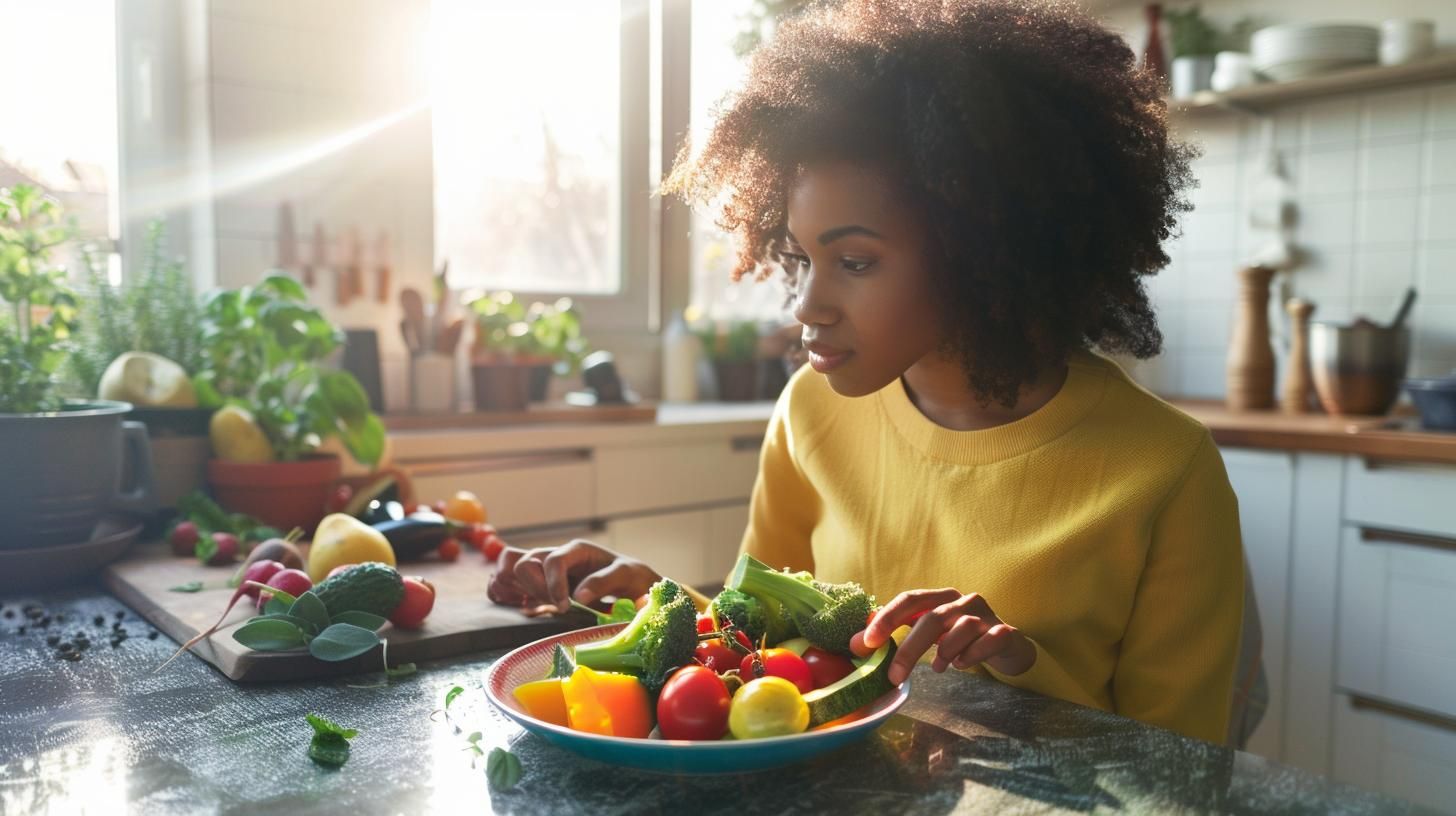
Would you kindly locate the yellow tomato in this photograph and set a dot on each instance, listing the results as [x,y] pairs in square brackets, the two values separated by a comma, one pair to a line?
[465,507]
[767,707]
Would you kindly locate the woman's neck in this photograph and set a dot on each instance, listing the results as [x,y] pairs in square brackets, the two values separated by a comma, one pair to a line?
[938,388]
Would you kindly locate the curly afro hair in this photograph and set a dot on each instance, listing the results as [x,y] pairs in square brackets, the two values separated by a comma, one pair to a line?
[1021,130]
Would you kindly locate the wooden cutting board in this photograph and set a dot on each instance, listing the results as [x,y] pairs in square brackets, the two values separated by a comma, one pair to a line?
[463,620]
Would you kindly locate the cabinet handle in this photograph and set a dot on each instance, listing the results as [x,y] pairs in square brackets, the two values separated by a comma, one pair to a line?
[1362,703]
[440,467]
[1372,535]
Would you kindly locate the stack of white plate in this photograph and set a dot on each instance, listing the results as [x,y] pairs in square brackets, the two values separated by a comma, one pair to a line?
[1298,50]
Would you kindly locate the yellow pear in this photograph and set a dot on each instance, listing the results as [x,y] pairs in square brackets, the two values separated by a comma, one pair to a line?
[145,379]
[342,539]
[236,436]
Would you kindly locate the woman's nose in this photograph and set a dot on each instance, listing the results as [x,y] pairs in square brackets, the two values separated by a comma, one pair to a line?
[813,304]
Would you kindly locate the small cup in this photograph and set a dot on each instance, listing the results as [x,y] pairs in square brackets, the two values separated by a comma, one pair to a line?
[432,384]
[1404,41]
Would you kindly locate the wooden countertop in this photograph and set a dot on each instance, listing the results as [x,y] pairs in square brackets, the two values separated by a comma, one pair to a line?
[1395,438]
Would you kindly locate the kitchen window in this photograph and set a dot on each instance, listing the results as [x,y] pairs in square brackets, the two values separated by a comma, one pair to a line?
[60,132]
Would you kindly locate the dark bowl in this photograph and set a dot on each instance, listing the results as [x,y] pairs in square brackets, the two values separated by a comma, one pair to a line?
[1435,399]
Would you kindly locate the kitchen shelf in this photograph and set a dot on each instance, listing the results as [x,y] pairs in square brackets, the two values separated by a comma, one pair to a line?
[1259,99]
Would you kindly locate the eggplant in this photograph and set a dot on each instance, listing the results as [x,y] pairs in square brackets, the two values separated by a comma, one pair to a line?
[415,535]
[379,511]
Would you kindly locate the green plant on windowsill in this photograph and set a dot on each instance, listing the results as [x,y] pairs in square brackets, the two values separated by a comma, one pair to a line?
[1192,34]
[262,350]
[506,330]
[158,311]
[735,343]
[36,329]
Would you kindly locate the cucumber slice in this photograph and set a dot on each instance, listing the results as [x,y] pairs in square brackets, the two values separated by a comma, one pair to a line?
[869,680]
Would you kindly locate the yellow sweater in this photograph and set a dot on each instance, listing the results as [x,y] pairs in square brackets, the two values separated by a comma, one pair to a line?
[1102,526]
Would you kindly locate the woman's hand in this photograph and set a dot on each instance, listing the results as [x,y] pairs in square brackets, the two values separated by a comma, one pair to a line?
[542,580]
[964,625]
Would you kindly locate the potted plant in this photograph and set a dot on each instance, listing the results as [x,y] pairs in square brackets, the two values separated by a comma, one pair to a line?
[63,460]
[555,334]
[1195,42]
[505,353]
[733,352]
[262,349]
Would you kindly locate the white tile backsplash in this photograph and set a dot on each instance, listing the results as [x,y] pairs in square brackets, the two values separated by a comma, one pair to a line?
[1375,180]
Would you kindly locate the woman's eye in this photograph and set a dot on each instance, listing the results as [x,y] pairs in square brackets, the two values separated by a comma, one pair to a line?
[797,261]
[856,267]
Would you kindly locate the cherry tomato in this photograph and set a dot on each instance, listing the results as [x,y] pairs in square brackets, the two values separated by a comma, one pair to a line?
[464,507]
[780,663]
[827,668]
[716,656]
[705,625]
[478,536]
[493,547]
[450,549]
[742,638]
[418,600]
[767,707]
[694,705]
[339,498]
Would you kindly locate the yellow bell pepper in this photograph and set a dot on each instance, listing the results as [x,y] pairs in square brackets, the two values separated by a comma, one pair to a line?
[543,699]
[607,703]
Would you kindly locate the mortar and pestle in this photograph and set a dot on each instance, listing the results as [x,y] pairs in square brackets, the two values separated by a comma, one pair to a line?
[1358,367]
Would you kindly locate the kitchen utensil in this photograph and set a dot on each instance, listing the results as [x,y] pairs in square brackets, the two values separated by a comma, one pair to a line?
[1435,400]
[1298,381]
[287,238]
[1403,41]
[355,266]
[432,383]
[1405,306]
[319,261]
[411,338]
[450,337]
[381,268]
[1250,369]
[533,662]
[604,385]
[1297,50]
[414,314]
[1358,367]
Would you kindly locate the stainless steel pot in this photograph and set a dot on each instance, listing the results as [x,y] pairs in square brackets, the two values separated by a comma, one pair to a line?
[1358,368]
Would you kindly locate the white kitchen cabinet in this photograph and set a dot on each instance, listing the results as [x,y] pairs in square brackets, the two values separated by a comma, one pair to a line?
[526,490]
[1401,496]
[1264,484]
[1406,754]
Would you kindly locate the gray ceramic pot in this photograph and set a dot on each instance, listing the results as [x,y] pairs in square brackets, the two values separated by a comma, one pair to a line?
[61,472]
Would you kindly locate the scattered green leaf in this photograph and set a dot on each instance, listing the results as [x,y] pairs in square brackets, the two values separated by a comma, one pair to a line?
[623,611]
[328,750]
[363,620]
[266,635]
[474,737]
[323,725]
[342,641]
[310,608]
[452,694]
[503,769]
[190,586]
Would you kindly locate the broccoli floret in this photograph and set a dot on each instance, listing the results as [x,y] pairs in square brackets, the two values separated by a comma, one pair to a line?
[659,639]
[742,609]
[827,614]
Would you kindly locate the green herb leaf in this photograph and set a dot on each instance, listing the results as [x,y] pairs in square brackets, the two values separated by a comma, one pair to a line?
[328,749]
[205,549]
[323,725]
[623,611]
[363,620]
[402,670]
[310,608]
[306,626]
[503,769]
[452,694]
[342,641]
[474,737]
[269,635]
[190,586]
[276,606]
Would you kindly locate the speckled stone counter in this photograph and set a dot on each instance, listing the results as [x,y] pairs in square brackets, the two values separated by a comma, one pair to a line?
[103,734]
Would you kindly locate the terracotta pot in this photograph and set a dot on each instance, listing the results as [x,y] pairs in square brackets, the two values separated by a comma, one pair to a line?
[501,386]
[737,380]
[540,382]
[280,494]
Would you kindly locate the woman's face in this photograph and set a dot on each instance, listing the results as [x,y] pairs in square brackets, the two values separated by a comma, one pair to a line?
[860,261]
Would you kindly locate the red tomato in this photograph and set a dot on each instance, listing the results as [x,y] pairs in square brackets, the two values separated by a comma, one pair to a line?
[449,549]
[418,600]
[827,668]
[493,547]
[780,663]
[716,656]
[693,705]
[339,498]
[705,625]
[742,638]
[477,535]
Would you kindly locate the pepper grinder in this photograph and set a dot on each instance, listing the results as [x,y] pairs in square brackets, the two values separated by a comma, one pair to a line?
[1250,372]
[1298,381]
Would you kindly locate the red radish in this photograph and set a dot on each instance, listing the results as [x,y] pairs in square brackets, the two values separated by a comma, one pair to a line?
[224,550]
[294,582]
[259,572]
[184,538]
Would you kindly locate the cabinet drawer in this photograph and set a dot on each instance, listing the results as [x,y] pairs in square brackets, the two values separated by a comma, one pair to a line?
[674,544]
[637,479]
[1401,496]
[518,491]
[1396,605]
[1381,748]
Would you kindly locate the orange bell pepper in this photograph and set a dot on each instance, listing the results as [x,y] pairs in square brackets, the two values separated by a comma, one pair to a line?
[607,703]
[543,699]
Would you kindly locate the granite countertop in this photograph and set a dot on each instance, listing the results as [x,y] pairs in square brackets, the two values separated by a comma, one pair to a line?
[104,734]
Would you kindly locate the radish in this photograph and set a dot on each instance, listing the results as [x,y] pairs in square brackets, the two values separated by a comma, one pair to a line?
[292,581]
[284,580]
[259,572]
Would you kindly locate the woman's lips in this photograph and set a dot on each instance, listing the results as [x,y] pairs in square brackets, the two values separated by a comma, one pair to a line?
[825,361]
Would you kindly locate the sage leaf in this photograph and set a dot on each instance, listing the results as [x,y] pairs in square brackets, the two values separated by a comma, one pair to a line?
[342,641]
[323,725]
[276,606]
[363,620]
[503,769]
[452,694]
[308,627]
[310,608]
[269,635]
[190,586]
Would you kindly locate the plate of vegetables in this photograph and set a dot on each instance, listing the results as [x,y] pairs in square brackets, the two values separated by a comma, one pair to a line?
[765,678]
